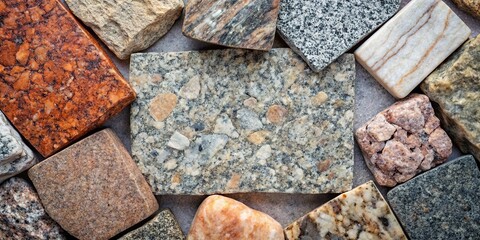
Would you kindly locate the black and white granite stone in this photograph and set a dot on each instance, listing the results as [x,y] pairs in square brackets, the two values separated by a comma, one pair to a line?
[163,226]
[442,203]
[322,30]
[254,121]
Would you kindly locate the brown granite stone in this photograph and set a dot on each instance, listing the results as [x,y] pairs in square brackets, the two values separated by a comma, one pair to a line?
[403,140]
[56,82]
[470,6]
[93,189]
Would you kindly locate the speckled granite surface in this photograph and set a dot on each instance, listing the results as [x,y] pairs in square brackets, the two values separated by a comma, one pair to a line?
[322,30]
[163,226]
[264,122]
[442,203]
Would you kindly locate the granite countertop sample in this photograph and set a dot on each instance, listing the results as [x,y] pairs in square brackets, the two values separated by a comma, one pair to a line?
[361,213]
[22,215]
[127,26]
[322,30]
[442,203]
[453,87]
[403,140]
[93,189]
[227,121]
[246,24]
[470,6]
[163,226]
[57,83]
[412,44]
[220,217]
[15,155]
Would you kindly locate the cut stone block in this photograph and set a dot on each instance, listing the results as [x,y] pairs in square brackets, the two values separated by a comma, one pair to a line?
[57,83]
[361,213]
[403,140]
[470,6]
[22,215]
[93,189]
[322,30]
[264,122]
[242,24]
[442,203]
[220,217]
[412,44]
[127,26]
[454,89]
[163,226]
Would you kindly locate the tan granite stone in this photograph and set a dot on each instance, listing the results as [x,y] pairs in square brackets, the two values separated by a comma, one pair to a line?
[470,6]
[93,189]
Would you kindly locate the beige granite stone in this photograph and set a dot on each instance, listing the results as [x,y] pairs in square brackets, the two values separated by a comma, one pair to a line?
[470,6]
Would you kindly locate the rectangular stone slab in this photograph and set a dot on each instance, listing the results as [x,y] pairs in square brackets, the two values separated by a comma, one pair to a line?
[228,121]
[163,226]
[454,89]
[322,30]
[442,203]
[412,44]
[361,213]
[57,83]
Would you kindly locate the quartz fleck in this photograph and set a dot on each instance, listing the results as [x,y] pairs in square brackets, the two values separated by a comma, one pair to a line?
[163,226]
[178,141]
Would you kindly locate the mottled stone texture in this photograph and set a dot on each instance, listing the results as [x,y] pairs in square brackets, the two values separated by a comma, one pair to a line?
[454,87]
[127,26]
[220,217]
[163,226]
[242,24]
[470,6]
[22,215]
[93,189]
[322,30]
[361,213]
[442,203]
[232,120]
[403,140]
[57,83]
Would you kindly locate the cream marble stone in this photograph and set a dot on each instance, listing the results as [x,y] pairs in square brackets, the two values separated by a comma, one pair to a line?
[412,44]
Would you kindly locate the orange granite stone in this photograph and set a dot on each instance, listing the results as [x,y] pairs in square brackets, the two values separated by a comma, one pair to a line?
[56,83]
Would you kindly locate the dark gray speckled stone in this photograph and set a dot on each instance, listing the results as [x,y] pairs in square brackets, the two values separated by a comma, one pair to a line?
[163,226]
[443,203]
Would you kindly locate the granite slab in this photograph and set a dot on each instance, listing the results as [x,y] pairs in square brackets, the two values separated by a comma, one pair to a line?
[412,44]
[470,6]
[441,203]
[322,30]
[361,213]
[57,83]
[163,226]
[93,189]
[246,24]
[22,215]
[253,122]
[453,87]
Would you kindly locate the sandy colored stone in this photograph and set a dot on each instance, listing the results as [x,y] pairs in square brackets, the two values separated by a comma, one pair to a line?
[470,6]
[403,140]
[162,106]
[259,137]
[220,218]
[319,99]
[128,26]
[276,114]
[93,189]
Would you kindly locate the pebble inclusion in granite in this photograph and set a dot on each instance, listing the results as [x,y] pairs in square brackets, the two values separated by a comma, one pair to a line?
[264,122]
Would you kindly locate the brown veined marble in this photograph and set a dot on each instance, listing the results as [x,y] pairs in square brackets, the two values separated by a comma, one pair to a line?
[56,83]
[223,218]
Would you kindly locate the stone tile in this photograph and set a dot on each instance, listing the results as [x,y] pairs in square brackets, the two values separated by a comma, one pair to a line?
[22,215]
[220,217]
[163,226]
[412,44]
[93,189]
[441,203]
[470,6]
[322,30]
[361,213]
[241,24]
[454,89]
[127,26]
[403,140]
[57,83]
[15,156]
[255,121]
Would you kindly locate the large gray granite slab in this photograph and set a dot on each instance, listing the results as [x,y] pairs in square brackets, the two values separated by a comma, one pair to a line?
[228,121]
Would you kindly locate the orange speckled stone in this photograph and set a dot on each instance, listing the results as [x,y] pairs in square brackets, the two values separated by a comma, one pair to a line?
[56,83]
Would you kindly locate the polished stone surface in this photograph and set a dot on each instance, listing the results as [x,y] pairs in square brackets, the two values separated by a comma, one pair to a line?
[163,226]
[412,44]
[254,121]
[322,30]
